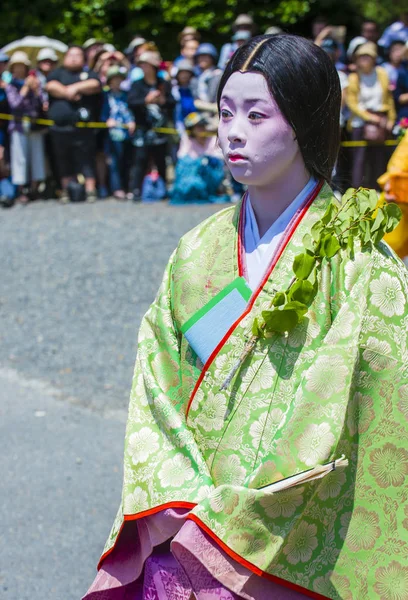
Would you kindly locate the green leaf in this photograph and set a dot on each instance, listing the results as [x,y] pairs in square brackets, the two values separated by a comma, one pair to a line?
[280,320]
[303,291]
[279,299]
[317,230]
[308,242]
[299,307]
[393,215]
[303,265]
[350,246]
[256,330]
[330,212]
[329,246]
[378,221]
[373,199]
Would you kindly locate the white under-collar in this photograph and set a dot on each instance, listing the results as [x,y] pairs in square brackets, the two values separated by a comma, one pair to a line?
[259,251]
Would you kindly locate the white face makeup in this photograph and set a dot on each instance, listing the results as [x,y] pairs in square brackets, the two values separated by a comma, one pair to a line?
[257,142]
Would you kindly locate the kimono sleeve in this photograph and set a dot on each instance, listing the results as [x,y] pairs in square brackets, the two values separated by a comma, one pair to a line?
[162,462]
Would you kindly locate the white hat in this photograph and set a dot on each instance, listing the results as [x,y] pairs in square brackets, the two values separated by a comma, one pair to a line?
[135,43]
[354,44]
[47,54]
[19,58]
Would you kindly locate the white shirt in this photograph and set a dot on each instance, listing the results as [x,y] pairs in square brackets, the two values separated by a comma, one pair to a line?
[371,95]
[259,251]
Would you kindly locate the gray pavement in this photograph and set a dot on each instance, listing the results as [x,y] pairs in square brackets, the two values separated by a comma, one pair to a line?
[74,283]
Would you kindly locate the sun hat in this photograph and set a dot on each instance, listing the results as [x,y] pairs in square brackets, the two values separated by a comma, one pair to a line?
[193,119]
[135,43]
[206,48]
[243,20]
[367,49]
[151,58]
[47,54]
[354,44]
[19,58]
[116,71]
[273,30]
[92,42]
[241,35]
[184,65]
[188,31]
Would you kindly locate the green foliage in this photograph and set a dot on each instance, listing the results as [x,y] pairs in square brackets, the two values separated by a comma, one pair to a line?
[119,21]
[356,219]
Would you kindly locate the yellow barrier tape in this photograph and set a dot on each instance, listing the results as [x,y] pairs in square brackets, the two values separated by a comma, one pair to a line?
[164,130]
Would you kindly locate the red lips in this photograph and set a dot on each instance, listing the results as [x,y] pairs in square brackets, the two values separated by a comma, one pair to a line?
[235,157]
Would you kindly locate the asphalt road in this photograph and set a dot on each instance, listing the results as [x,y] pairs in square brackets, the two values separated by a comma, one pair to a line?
[75,281]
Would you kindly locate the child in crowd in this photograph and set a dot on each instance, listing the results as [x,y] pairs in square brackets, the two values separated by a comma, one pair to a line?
[184,91]
[26,99]
[200,168]
[121,126]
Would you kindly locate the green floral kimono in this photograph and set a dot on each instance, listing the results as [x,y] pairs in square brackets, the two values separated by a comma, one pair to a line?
[336,385]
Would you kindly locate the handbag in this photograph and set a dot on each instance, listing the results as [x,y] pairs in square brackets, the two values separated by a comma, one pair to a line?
[376,133]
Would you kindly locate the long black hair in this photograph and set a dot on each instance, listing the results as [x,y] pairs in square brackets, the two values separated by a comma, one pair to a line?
[306,87]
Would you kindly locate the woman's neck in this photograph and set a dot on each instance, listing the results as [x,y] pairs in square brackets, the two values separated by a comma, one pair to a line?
[269,202]
[151,79]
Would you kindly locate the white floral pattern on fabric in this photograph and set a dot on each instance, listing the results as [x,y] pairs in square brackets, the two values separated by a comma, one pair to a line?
[327,376]
[212,413]
[228,470]
[225,499]
[135,502]
[142,444]
[387,295]
[175,471]
[301,543]
[378,354]
[315,444]
[284,503]
[354,269]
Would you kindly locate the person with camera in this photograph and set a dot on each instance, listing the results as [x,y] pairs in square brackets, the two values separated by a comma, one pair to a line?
[75,101]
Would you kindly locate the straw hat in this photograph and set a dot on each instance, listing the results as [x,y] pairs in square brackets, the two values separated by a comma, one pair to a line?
[19,58]
[367,49]
[151,58]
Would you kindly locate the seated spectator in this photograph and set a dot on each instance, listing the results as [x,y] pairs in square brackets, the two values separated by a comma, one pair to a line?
[371,103]
[47,61]
[151,101]
[200,171]
[398,31]
[208,80]
[121,126]
[184,91]
[241,23]
[74,96]
[26,99]
[394,64]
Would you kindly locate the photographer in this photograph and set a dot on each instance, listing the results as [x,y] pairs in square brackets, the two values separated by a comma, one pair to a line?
[75,96]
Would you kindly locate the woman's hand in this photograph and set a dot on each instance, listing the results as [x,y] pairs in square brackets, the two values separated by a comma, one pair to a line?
[390,125]
[376,119]
[110,123]
[132,127]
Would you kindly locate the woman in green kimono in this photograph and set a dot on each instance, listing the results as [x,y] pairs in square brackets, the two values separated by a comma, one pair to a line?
[266,445]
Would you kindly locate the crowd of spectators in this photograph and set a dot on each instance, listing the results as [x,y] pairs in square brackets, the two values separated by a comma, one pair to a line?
[98,122]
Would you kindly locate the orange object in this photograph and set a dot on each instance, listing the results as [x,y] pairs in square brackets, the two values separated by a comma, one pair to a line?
[399,186]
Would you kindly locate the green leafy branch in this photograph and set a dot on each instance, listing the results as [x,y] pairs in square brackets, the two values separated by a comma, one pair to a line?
[356,218]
